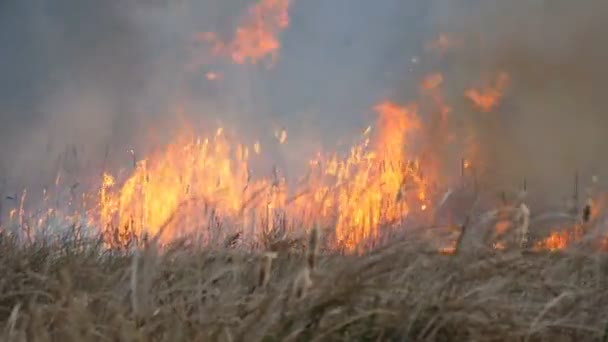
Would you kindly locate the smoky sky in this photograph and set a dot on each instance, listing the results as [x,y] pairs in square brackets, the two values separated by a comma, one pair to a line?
[99,76]
[552,123]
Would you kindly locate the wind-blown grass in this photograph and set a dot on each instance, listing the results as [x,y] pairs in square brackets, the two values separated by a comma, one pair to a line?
[76,290]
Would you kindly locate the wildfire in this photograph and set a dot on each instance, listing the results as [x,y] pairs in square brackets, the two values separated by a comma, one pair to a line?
[374,193]
[167,192]
[488,99]
[192,182]
[257,36]
[206,186]
[560,238]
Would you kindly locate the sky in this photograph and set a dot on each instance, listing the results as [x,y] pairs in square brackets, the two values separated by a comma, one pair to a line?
[91,74]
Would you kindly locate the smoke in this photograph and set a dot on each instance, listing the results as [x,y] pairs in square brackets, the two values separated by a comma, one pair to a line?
[552,122]
[90,79]
[72,71]
[86,80]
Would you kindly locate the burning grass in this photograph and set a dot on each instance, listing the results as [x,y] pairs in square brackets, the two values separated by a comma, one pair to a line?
[188,245]
[497,276]
[75,290]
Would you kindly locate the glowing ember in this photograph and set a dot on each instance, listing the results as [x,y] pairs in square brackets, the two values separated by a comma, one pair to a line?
[499,245]
[449,250]
[561,239]
[488,99]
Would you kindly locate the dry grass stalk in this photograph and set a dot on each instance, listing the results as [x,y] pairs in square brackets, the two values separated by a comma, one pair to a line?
[266,268]
[313,247]
[400,291]
[11,326]
[523,217]
[302,283]
[133,284]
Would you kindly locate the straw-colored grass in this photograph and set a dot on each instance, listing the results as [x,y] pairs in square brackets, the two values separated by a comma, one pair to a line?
[77,291]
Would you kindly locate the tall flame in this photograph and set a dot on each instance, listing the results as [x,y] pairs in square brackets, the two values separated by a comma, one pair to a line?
[175,191]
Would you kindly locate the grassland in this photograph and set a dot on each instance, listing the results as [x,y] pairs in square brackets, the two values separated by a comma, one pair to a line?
[77,290]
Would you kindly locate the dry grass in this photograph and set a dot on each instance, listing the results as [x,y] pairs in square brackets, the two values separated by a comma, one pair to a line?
[76,291]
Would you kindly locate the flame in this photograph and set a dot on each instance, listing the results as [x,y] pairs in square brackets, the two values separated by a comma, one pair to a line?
[489,98]
[108,204]
[188,175]
[257,36]
[560,238]
[175,191]
[432,81]
[373,194]
[502,227]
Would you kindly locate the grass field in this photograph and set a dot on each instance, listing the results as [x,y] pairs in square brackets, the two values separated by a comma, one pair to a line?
[74,290]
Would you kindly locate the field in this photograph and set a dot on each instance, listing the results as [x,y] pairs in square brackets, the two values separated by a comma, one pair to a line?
[77,290]
[398,171]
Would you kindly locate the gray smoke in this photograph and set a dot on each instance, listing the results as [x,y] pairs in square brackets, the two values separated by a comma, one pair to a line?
[552,122]
[84,77]
[86,80]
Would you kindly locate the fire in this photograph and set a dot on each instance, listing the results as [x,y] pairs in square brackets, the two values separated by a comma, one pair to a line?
[432,81]
[170,188]
[489,98]
[394,125]
[561,238]
[556,241]
[192,182]
[374,183]
[107,202]
[258,34]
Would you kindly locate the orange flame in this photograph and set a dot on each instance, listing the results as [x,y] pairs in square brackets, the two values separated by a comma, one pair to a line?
[175,191]
[560,239]
[257,36]
[374,194]
[176,183]
[488,99]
